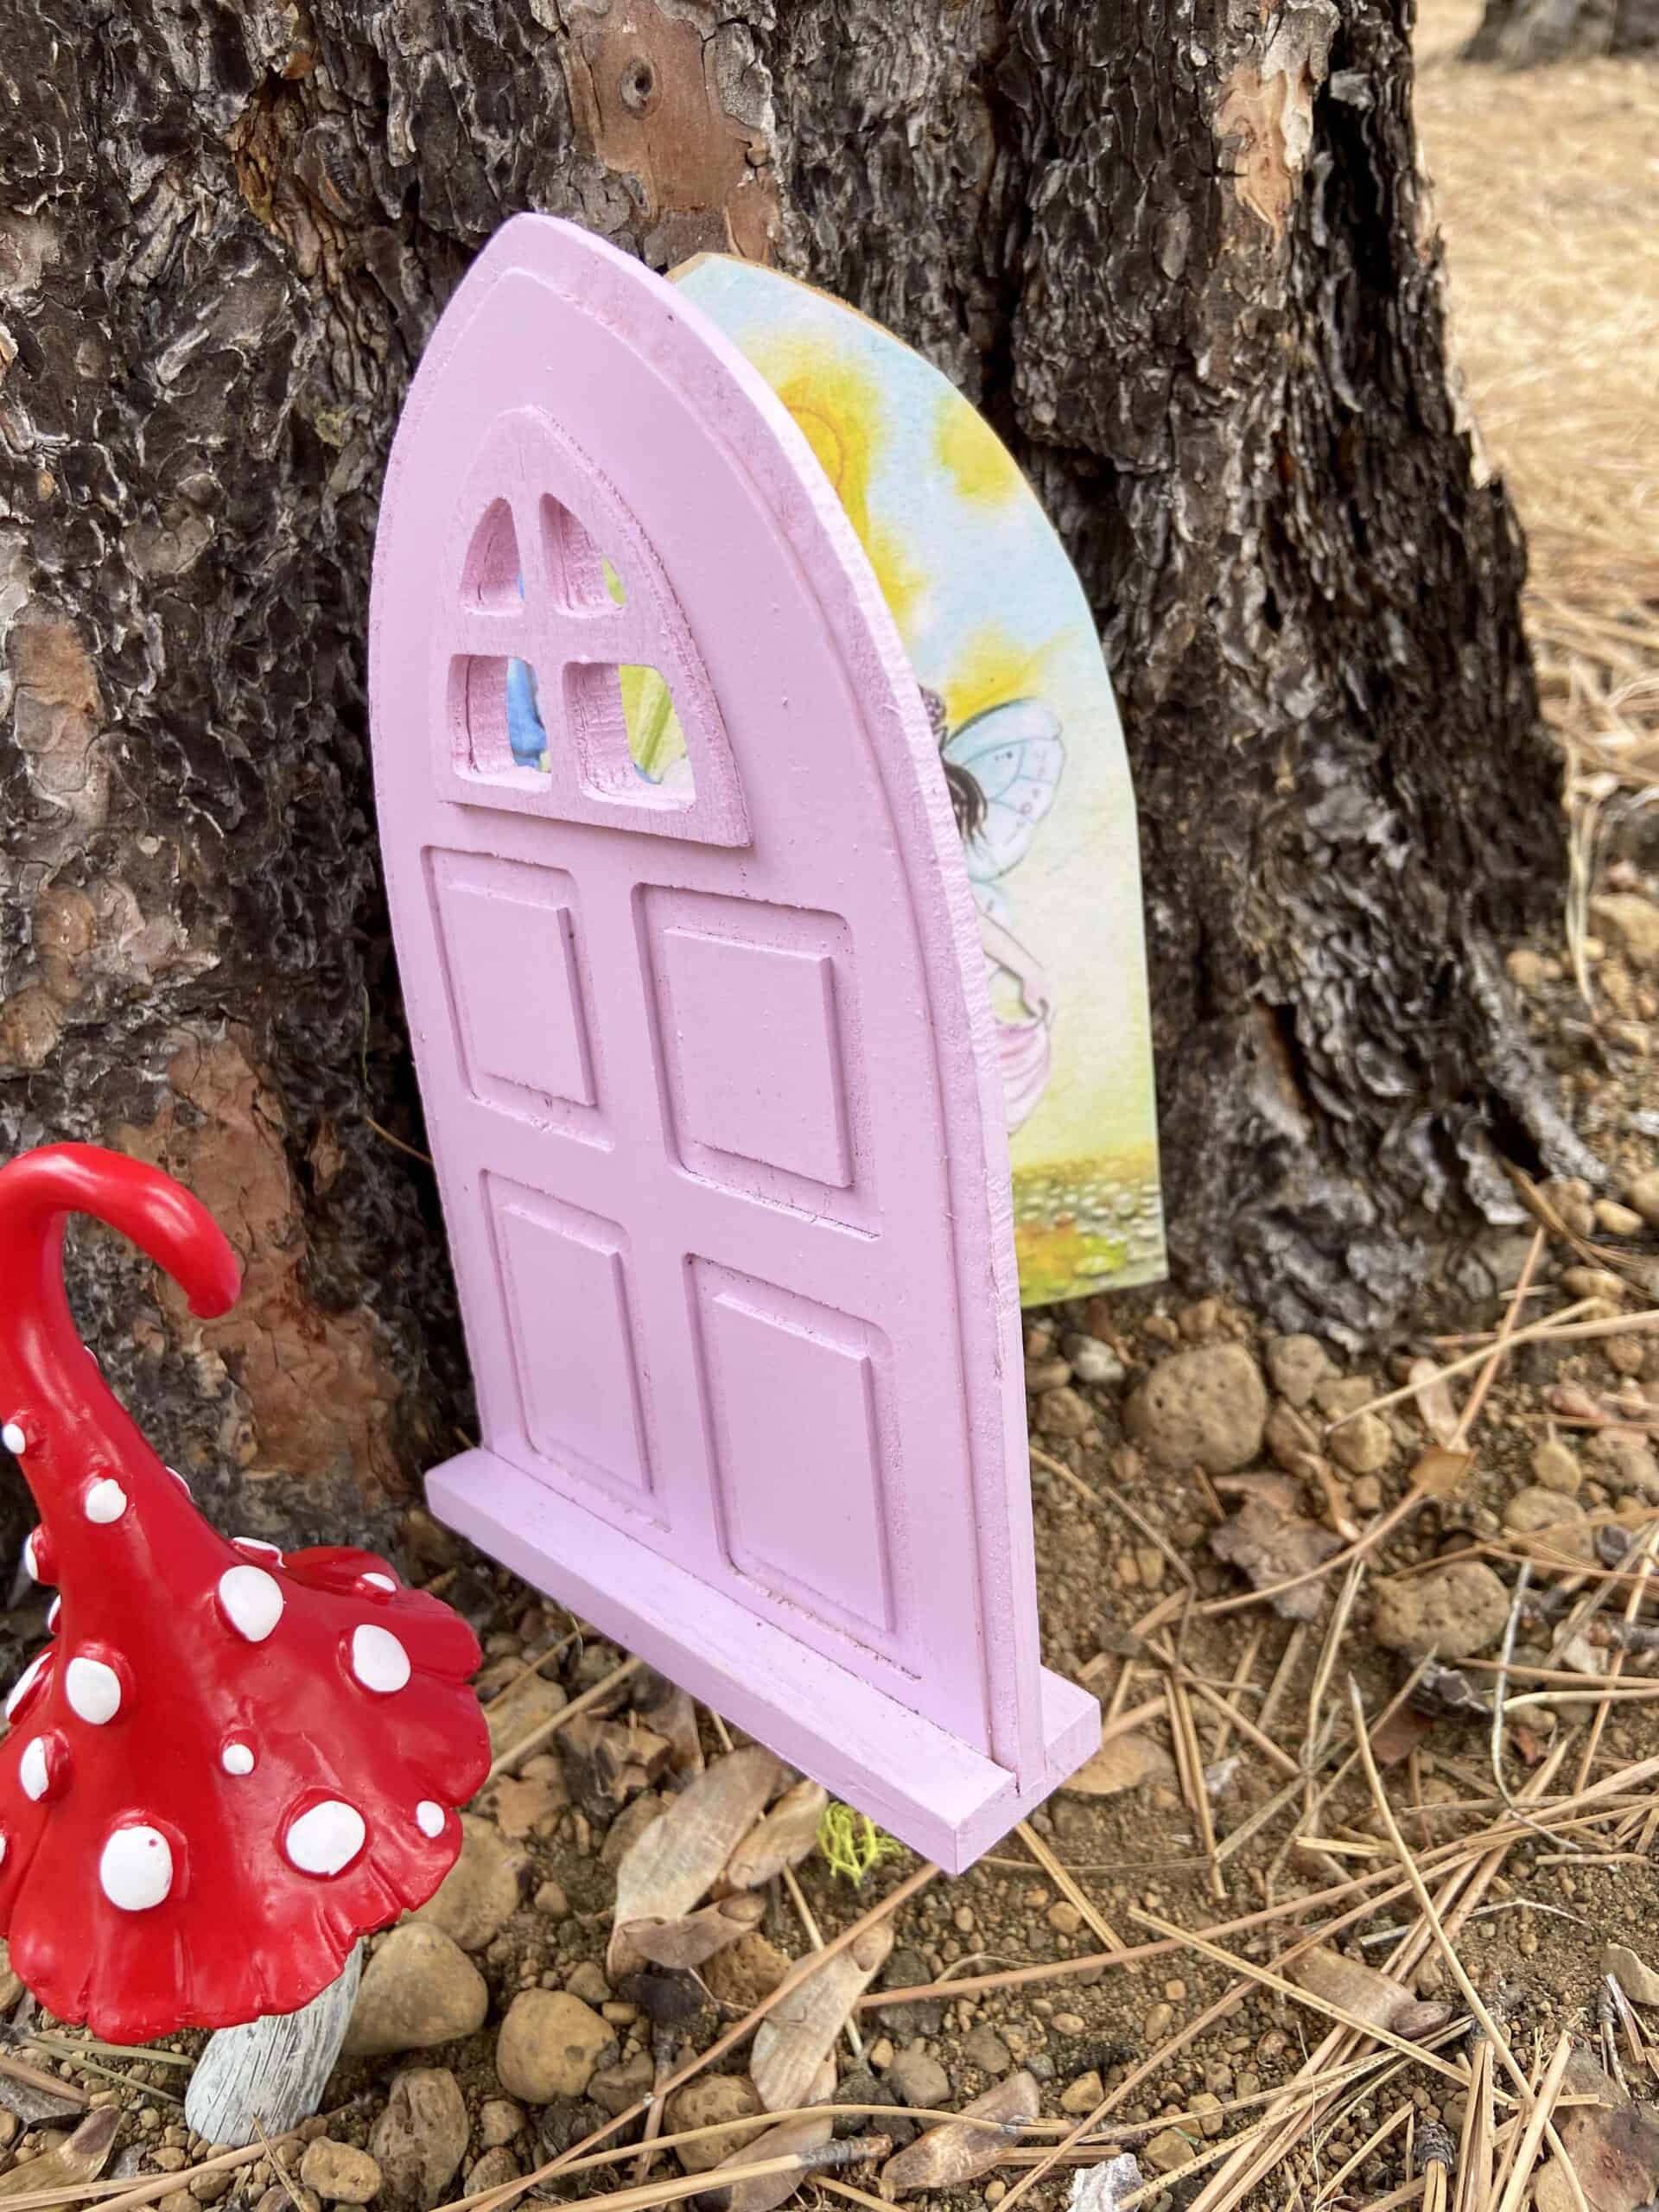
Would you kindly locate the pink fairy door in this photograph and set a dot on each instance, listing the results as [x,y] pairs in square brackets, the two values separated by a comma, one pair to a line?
[699,1011]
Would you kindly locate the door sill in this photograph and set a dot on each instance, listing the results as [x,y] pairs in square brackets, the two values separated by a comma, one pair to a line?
[914,1777]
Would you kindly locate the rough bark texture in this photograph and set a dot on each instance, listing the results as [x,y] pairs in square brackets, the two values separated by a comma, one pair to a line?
[1524,32]
[1180,254]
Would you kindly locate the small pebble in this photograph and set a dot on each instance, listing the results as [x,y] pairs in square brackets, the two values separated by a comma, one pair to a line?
[499,2121]
[1455,1612]
[1208,1405]
[917,2078]
[588,1982]
[338,2172]
[1526,970]
[1043,1375]
[1063,1412]
[1082,2094]
[1537,1508]
[1555,1467]
[1362,1445]
[1618,1220]
[497,2169]
[1168,2153]
[1093,1362]
[1297,1366]
[713,2101]
[985,2049]
[550,2046]
[1571,1198]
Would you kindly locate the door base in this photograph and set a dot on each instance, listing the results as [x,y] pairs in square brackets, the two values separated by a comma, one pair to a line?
[912,1776]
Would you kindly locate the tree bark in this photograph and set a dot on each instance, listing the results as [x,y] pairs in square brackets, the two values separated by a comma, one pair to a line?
[1524,33]
[1182,258]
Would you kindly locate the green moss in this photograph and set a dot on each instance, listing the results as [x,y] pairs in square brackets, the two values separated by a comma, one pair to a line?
[852,1843]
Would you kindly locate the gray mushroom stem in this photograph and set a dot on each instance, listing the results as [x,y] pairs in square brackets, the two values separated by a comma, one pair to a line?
[270,2073]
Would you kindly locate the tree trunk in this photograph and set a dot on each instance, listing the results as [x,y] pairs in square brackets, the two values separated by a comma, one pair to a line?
[1183,260]
[1524,32]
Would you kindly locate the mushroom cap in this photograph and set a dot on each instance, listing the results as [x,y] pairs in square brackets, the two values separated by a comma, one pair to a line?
[225,1813]
[229,1764]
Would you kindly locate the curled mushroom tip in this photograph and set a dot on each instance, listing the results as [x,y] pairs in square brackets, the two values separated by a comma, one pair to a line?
[230,1762]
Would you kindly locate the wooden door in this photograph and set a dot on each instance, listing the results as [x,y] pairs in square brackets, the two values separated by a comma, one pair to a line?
[705,1054]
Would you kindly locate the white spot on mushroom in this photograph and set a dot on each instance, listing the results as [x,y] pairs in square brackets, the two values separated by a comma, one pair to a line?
[93,1689]
[26,1681]
[5,1844]
[257,1544]
[15,1438]
[179,1479]
[380,1581]
[252,1600]
[52,1613]
[429,1817]
[136,1869]
[31,1557]
[32,1772]
[379,1661]
[237,1759]
[326,1839]
[104,1500]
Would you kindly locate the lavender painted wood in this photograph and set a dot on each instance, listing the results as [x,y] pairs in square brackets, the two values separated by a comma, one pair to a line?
[708,1072]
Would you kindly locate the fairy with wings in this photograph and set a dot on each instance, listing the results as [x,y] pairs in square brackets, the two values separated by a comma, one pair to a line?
[1002,768]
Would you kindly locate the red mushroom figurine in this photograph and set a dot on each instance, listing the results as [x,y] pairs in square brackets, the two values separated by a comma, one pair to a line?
[231,1762]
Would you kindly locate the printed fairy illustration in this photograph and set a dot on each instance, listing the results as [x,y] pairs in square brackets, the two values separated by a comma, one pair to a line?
[1003,645]
[1002,770]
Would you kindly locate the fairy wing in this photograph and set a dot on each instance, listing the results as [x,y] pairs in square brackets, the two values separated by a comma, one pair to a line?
[525,734]
[524,731]
[1016,754]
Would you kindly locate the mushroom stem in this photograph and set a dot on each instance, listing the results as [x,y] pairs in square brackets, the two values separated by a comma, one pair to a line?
[270,2073]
